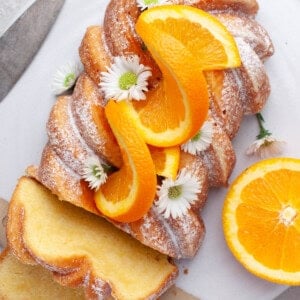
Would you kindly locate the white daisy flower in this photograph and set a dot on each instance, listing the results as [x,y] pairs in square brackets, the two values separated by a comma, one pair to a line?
[125,79]
[144,4]
[265,145]
[200,141]
[94,173]
[65,77]
[176,196]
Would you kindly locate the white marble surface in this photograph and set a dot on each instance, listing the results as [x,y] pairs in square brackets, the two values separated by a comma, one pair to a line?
[213,274]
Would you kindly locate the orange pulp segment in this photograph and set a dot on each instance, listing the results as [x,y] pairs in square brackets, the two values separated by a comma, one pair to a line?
[166,160]
[203,35]
[261,219]
[187,41]
[128,193]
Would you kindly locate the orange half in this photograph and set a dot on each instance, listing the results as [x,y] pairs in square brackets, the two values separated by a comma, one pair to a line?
[261,219]
[166,160]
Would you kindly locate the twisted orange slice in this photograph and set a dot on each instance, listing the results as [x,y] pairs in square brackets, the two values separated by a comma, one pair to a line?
[261,219]
[184,41]
[166,160]
[128,193]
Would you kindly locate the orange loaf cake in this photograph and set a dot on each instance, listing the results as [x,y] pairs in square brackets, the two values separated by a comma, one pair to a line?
[78,128]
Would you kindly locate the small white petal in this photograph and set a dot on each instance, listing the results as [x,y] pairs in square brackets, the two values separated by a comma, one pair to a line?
[109,81]
[94,173]
[266,147]
[144,4]
[177,207]
[65,77]
[202,143]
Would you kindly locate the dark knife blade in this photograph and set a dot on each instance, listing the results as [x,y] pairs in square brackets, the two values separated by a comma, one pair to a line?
[22,40]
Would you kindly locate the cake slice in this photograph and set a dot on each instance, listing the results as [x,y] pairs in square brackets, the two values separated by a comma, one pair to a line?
[81,249]
[21,281]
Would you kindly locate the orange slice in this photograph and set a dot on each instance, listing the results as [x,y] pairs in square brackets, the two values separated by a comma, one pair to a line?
[261,219]
[166,160]
[128,193]
[184,41]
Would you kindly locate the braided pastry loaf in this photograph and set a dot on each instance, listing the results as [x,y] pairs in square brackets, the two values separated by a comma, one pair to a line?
[78,129]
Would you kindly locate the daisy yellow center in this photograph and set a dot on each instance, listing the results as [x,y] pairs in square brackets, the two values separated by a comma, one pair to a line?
[175,192]
[127,80]
[149,2]
[69,79]
[96,171]
[267,143]
[196,137]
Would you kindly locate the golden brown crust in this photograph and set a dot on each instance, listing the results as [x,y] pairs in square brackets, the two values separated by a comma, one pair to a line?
[82,249]
[249,7]
[90,47]
[87,107]
[62,181]
[65,138]
[254,81]
[247,28]
[14,232]
[225,100]
[121,38]
[196,166]
[190,225]
[219,158]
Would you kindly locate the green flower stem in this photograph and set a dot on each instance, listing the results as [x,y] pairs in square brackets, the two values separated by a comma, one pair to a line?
[108,169]
[263,132]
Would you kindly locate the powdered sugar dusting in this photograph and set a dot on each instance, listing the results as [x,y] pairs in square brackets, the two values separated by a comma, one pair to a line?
[233,6]
[105,47]
[189,231]
[226,106]
[56,175]
[65,137]
[231,109]
[83,116]
[242,26]
[86,278]
[219,158]
[101,289]
[91,123]
[168,228]
[254,78]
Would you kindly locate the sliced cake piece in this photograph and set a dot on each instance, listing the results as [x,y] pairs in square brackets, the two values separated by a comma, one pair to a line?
[152,230]
[21,281]
[82,249]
